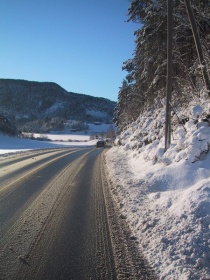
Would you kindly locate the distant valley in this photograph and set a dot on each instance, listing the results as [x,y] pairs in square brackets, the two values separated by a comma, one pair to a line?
[45,106]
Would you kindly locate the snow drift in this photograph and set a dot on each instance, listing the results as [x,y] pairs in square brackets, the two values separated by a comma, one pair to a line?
[165,196]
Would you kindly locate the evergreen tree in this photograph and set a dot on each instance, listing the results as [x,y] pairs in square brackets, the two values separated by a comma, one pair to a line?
[146,77]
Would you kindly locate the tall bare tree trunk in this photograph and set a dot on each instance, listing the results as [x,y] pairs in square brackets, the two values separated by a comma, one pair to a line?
[198,45]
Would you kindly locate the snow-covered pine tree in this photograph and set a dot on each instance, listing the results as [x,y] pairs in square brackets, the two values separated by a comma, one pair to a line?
[121,111]
[146,77]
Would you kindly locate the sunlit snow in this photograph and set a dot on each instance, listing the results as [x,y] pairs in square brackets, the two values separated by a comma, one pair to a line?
[165,196]
[14,144]
[78,139]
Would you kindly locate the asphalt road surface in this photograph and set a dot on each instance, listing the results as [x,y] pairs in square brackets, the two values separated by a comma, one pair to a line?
[59,221]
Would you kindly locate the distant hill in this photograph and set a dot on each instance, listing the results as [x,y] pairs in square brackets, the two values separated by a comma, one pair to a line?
[41,106]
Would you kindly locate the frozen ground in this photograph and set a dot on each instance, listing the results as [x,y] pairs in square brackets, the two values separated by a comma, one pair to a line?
[64,137]
[14,144]
[165,197]
[81,139]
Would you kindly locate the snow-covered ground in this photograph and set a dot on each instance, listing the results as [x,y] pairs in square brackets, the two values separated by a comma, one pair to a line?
[76,139]
[14,144]
[165,197]
[92,128]
[64,137]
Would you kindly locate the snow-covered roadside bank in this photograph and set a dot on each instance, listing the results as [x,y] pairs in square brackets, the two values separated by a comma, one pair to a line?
[165,197]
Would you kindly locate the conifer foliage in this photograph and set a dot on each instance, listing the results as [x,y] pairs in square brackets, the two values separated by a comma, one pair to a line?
[146,79]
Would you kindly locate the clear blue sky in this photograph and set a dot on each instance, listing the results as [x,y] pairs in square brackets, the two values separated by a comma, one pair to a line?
[78,44]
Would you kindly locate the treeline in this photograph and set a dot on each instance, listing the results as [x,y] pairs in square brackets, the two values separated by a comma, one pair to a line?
[146,71]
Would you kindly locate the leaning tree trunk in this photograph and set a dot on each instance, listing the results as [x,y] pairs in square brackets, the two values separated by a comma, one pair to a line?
[198,45]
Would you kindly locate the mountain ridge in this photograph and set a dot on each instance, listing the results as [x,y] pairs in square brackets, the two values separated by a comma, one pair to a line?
[31,102]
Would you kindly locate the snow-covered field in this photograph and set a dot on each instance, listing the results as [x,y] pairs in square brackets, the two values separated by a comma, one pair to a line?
[81,139]
[13,144]
[165,197]
[64,137]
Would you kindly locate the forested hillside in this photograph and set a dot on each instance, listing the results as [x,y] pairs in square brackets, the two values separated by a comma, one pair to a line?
[44,106]
[145,83]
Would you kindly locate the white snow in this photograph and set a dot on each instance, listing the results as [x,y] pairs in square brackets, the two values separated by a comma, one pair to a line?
[55,107]
[96,113]
[165,196]
[64,137]
[78,139]
[94,128]
[14,144]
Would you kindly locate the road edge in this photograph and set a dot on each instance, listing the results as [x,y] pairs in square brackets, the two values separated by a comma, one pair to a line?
[129,261]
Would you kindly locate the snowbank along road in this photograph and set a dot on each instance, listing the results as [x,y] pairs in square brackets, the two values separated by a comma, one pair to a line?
[58,220]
